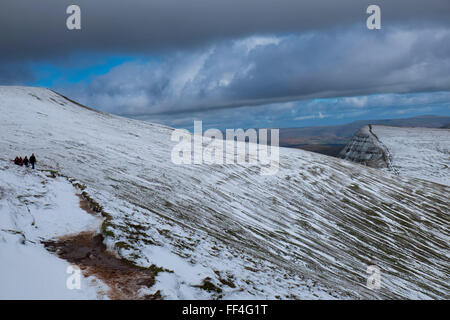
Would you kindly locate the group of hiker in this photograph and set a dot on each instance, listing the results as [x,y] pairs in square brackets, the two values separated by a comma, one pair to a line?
[25,161]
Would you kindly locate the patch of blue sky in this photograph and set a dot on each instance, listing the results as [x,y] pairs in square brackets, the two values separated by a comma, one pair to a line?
[75,69]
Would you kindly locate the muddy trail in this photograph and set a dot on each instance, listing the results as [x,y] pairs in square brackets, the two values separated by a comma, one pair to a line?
[88,252]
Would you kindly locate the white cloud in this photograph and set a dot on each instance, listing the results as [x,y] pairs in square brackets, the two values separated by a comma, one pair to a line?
[319,115]
[270,70]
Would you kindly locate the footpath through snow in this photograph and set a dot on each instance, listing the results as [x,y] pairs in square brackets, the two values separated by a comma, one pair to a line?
[35,206]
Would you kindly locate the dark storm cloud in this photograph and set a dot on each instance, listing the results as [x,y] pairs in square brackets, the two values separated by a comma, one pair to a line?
[261,70]
[224,54]
[36,29]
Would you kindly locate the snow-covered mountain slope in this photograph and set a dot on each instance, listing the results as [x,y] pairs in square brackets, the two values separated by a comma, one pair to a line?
[422,153]
[226,231]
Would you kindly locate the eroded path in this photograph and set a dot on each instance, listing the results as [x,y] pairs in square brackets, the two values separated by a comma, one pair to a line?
[48,223]
[87,251]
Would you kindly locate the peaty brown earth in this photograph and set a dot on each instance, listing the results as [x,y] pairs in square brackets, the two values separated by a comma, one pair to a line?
[88,252]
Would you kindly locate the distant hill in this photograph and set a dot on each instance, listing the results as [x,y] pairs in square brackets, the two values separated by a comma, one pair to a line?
[330,139]
[415,152]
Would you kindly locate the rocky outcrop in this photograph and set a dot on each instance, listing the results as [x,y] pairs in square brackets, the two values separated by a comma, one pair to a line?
[365,148]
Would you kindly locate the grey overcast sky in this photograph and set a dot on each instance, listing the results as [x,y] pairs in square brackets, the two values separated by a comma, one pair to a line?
[173,60]
[35,29]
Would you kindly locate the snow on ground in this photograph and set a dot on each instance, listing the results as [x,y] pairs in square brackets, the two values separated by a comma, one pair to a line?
[34,207]
[226,231]
[422,153]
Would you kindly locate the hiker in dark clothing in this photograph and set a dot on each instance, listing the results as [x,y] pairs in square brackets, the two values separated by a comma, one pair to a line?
[16,161]
[20,161]
[25,161]
[32,161]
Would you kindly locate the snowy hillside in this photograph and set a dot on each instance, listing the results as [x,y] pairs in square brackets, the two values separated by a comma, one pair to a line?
[422,153]
[226,231]
[418,152]
[36,207]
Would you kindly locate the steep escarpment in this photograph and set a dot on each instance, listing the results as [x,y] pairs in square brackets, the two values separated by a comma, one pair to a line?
[364,148]
[417,152]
